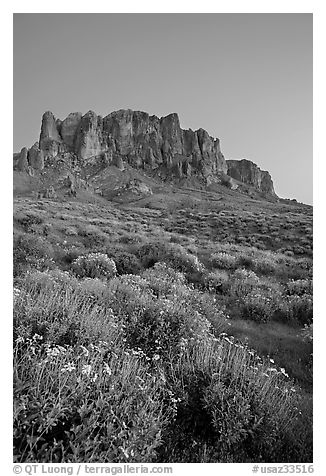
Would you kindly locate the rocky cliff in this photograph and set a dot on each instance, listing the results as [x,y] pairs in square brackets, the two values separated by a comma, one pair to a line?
[125,138]
[133,137]
[249,173]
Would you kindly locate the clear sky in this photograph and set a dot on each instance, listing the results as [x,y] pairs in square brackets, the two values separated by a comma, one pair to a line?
[245,78]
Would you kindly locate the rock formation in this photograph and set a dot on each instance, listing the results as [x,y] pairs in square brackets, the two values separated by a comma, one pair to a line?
[249,173]
[126,138]
[21,160]
[36,157]
[136,138]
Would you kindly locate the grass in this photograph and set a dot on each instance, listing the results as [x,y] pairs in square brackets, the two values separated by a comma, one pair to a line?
[145,335]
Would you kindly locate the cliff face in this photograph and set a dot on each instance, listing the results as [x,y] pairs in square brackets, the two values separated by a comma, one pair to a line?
[249,173]
[134,137]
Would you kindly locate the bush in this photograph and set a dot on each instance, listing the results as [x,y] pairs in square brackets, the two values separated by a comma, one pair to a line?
[265,264]
[257,306]
[129,370]
[28,220]
[299,287]
[84,407]
[31,252]
[217,281]
[296,309]
[307,333]
[126,263]
[94,265]
[243,282]
[170,253]
[231,406]
[159,310]
[223,261]
[245,261]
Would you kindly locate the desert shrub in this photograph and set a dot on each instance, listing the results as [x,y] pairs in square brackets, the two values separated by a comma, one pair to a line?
[216,281]
[171,253]
[84,407]
[232,407]
[126,263]
[296,309]
[257,306]
[244,260]
[158,310]
[307,333]
[223,260]
[54,279]
[128,238]
[265,264]
[140,377]
[92,235]
[72,253]
[28,220]
[70,231]
[31,252]
[94,265]
[243,282]
[164,280]
[93,287]
[299,287]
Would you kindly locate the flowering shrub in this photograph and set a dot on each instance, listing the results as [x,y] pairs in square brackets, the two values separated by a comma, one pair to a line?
[257,306]
[121,372]
[297,309]
[232,404]
[94,403]
[94,265]
[54,279]
[243,282]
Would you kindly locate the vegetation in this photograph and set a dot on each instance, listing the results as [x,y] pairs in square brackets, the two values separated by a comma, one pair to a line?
[137,343]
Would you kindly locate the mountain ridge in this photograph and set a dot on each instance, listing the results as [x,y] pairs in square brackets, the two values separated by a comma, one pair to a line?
[154,146]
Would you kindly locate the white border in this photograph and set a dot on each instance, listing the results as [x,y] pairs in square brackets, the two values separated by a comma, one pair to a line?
[59,6]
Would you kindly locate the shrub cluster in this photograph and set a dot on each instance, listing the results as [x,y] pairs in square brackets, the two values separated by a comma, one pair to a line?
[31,252]
[172,254]
[132,373]
[94,265]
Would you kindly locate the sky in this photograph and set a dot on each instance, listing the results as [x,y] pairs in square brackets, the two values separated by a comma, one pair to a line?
[245,78]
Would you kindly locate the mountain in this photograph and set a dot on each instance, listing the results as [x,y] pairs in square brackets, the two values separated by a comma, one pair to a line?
[84,150]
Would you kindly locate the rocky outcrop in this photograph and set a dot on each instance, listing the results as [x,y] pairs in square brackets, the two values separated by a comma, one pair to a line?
[152,145]
[36,157]
[249,173]
[69,128]
[49,130]
[137,187]
[133,137]
[21,160]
